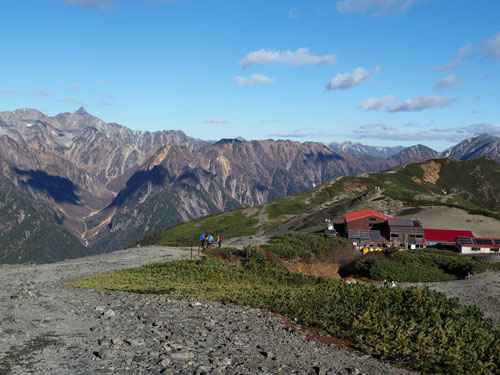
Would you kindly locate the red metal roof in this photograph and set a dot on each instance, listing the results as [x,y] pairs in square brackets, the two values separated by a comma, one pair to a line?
[365,213]
[443,235]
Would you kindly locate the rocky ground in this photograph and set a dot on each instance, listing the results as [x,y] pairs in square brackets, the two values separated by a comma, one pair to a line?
[46,328]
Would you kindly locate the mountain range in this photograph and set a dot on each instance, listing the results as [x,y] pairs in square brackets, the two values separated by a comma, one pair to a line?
[73,184]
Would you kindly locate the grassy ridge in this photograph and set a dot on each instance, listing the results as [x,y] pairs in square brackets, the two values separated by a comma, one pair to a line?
[418,328]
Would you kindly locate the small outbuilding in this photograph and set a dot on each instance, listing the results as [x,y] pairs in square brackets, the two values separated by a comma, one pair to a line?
[474,245]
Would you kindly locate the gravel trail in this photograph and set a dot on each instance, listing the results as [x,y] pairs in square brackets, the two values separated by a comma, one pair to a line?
[46,328]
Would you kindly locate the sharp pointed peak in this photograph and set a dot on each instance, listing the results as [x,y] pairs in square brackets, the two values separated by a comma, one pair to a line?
[81,111]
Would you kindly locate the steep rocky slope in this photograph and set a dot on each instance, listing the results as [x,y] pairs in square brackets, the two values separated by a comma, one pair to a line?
[472,148]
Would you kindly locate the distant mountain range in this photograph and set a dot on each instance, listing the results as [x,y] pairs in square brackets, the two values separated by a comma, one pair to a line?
[73,184]
[356,148]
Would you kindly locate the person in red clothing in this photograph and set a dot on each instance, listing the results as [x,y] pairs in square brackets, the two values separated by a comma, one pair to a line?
[219,240]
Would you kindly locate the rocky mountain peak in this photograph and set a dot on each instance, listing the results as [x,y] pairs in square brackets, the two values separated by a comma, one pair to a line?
[81,111]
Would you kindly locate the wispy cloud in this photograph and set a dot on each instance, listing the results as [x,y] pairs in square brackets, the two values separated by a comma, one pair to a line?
[411,124]
[71,101]
[292,134]
[91,4]
[39,93]
[254,79]
[216,121]
[293,13]
[301,57]
[77,86]
[449,82]
[347,80]
[449,67]
[420,103]
[375,7]
[372,104]
[491,47]
[103,82]
[9,92]
[454,134]
[271,121]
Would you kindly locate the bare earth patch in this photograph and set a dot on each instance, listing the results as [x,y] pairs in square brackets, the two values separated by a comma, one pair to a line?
[431,172]
[439,217]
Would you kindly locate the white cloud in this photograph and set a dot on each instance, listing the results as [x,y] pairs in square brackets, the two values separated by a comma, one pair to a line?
[420,103]
[77,85]
[271,121]
[371,104]
[254,79]
[293,13]
[492,47]
[96,4]
[301,57]
[375,7]
[348,80]
[449,82]
[216,121]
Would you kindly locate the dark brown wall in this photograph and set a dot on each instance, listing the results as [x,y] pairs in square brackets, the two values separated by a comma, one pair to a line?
[364,223]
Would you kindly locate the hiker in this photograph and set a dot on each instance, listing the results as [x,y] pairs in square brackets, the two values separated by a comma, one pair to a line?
[393,284]
[219,241]
[202,240]
[210,240]
[206,240]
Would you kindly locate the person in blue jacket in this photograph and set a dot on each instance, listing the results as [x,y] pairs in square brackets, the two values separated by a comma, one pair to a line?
[202,240]
[210,240]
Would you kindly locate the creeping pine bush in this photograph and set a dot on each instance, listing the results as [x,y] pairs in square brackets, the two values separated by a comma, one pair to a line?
[422,266]
[418,328]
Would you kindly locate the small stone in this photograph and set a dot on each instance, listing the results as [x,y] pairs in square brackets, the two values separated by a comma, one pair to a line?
[182,355]
[99,309]
[226,362]
[110,314]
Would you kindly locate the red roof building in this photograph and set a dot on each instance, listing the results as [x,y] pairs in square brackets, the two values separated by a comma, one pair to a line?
[444,237]
[365,220]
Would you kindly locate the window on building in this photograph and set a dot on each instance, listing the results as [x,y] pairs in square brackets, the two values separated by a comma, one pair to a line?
[476,249]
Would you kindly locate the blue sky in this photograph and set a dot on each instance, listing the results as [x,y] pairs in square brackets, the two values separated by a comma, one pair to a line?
[379,72]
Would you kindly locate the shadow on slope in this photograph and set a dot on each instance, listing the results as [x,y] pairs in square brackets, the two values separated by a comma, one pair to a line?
[61,189]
